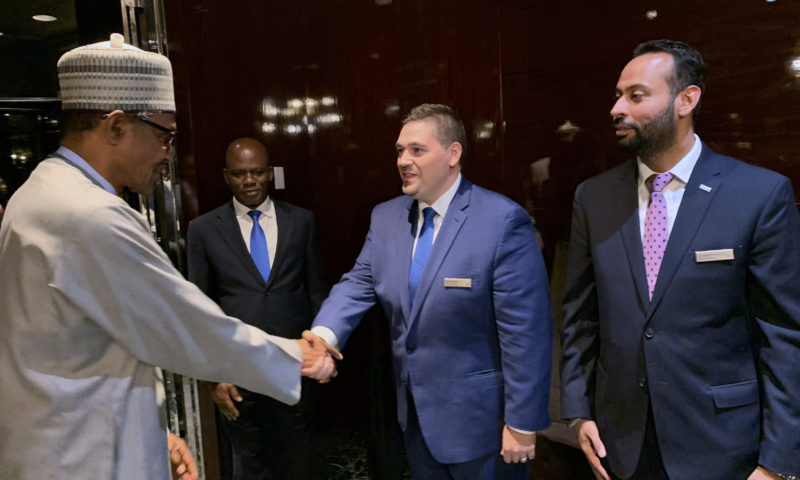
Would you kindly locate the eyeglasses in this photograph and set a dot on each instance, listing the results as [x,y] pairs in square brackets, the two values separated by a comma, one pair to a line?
[169,140]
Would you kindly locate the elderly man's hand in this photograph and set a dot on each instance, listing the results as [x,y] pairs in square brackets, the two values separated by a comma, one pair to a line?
[181,460]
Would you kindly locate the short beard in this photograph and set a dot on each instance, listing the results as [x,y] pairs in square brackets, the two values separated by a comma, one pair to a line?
[654,137]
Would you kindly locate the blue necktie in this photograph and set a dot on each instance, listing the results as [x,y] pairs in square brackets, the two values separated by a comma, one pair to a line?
[424,244]
[258,246]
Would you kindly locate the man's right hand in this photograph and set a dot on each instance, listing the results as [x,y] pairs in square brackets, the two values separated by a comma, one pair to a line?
[224,394]
[318,357]
[592,446]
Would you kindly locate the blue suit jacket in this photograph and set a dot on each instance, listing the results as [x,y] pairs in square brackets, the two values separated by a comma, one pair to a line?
[717,350]
[473,358]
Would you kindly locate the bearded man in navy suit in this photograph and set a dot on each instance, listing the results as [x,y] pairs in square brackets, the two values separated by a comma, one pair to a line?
[681,353]
[459,274]
[279,293]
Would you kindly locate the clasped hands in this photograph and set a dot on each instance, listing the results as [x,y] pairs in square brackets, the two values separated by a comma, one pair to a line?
[318,357]
[318,364]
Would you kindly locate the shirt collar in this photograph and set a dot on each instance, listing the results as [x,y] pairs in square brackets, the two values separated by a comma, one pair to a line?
[82,164]
[441,205]
[681,171]
[266,208]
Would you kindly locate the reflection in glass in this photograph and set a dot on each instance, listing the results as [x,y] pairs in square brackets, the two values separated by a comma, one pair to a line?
[299,115]
[794,67]
[268,109]
[268,127]
[483,129]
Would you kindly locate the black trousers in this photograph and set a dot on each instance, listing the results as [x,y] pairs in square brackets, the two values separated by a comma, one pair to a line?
[271,440]
[650,466]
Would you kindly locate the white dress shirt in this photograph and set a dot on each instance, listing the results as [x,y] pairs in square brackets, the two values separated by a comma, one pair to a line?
[673,191]
[440,206]
[267,220]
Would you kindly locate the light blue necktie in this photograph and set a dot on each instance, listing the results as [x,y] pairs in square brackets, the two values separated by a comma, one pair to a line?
[424,244]
[258,246]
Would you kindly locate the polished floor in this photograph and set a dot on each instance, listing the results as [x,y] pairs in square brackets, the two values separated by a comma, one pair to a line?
[343,453]
[346,458]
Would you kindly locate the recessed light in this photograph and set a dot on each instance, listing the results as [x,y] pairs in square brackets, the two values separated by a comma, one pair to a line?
[44,18]
[1,34]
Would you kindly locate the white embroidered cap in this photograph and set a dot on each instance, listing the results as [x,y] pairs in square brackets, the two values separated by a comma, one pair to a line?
[113,75]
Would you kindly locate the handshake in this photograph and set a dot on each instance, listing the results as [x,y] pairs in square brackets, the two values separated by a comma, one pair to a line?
[317,364]
[318,357]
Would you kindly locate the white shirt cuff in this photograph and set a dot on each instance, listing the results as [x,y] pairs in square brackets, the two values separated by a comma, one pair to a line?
[575,421]
[526,432]
[327,335]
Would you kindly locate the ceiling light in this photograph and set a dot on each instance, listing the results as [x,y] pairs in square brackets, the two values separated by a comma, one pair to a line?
[44,18]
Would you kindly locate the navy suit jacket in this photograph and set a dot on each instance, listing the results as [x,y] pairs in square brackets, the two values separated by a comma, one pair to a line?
[473,357]
[717,350]
[221,266]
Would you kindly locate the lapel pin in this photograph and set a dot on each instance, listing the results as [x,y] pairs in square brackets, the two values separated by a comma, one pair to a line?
[705,187]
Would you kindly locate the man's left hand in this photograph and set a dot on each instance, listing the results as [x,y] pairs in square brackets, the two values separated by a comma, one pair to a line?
[518,447]
[181,460]
[761,473]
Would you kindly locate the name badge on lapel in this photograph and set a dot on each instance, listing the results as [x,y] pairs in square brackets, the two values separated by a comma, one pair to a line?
[458,283]
[713,255]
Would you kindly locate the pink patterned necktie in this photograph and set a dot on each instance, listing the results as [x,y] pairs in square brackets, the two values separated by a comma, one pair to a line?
[655,228]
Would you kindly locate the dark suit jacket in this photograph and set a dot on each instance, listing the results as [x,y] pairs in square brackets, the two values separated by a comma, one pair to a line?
[717,350]
[221,266]
[473,356]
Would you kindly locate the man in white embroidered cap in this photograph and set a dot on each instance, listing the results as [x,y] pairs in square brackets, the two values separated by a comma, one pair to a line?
[89,301]
[132,90]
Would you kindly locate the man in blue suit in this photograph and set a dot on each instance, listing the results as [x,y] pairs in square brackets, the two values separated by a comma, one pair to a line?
[460,277]
[681,352]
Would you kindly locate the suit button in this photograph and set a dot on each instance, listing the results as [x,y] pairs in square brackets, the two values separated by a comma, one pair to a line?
[410,348]
[643,383]
[648,334]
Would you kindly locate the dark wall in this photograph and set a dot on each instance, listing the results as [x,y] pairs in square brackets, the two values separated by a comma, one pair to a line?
[239,64]
[516,69]
[324,83]
[561,61]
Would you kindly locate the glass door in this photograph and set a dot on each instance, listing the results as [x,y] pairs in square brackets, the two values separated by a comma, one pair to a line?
[143,25]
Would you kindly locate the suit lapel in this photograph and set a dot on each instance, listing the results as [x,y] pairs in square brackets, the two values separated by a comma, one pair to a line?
[453,221]
[286,227]
[406,235]
[626,204]
[694,204]
[228,227]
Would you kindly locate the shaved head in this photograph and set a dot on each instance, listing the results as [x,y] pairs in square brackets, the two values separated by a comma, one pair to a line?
[247,171]
[247,147]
